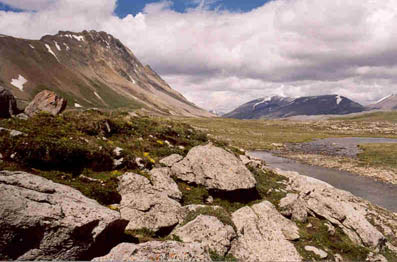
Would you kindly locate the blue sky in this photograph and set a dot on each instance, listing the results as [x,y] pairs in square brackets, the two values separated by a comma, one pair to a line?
[125,7]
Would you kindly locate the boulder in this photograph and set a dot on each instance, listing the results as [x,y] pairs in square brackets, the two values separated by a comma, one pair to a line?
[321,253]
[214,168]
[292,206]
[209,231]
[42,220]
[46,101]
[339,207]
[148,206]
[8,104]
[263,235]
[169,161]
[162,181]
[157,251]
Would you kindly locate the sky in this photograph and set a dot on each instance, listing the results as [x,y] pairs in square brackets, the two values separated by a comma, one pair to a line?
[222,53]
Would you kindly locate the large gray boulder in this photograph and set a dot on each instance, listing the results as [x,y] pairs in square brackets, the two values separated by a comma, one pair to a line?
[214,168]
[8,104]
[209,231]
[263,235]
[42,220]
[148,205]
[339,207]
[157,251]
[46,101]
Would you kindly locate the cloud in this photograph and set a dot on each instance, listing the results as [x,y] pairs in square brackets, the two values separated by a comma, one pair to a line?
[220,59]
[28,4]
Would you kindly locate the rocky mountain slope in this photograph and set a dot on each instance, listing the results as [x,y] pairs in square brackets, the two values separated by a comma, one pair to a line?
[278,107]
[89,69]
[387,103]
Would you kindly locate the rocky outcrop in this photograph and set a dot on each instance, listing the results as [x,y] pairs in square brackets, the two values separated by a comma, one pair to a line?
[214,168]
[321,253]
[42,220]
[339,207]
[169,161]
[157,251]
[263,235]
[209,231]
[46,101]
[149,206]
[8,104]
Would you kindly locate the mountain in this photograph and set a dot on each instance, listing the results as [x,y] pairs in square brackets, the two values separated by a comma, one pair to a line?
[387,103]
[89,69]
[259,107]
[278,107]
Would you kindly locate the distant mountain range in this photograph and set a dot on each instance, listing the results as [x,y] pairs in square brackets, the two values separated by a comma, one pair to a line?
[279,107]
[89,69]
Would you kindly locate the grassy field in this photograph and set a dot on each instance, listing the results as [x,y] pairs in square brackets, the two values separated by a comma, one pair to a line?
[376,116]
[261,134]
[382,155]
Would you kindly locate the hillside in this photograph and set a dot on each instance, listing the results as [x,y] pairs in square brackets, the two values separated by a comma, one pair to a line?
[278,107]
[387,103]
[89,69]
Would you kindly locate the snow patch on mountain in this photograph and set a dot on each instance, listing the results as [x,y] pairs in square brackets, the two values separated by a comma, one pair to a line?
[383,99]
[19,82]
[31,46]
[266,99]
[51,52]
[57,46]
[338,99]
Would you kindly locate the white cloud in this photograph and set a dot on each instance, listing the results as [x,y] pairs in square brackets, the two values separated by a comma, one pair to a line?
[220,59]
[28,4]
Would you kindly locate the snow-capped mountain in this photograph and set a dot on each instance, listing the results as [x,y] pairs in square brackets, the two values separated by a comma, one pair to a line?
[277,107]
[387,103]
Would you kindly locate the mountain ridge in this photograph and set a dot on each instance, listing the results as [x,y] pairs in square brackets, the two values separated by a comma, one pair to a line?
[280,107]
[89,69]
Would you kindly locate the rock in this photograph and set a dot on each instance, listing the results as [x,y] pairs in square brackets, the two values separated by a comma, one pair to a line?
[214,168]
[331,228]
[46,101]
[147,206]
[118,162]
[162,181]
[209,200]
[339,207]
[139,162]
[244,159]
[338,258]
[261,236]
[8,104]
[22,116]
[292,206]
[117,151]
[375,258]
[321,253]
[11,132]
[209,231]
[169,161]
[42,220]
[157,251]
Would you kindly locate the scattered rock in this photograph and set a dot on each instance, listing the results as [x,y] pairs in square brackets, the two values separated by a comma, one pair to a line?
[169,161]
[214,168]
[292,206]
[144,206]
[321,253]
[244,159]
[331,228]
[8,104]
[209,200]
[157,251]
[139,162]
[261,236]
[209,231]
[11,132]
[118,162]
[42,220]
[339,207]
[117,151]
[162,182]
[22,116]
[338,258]
[46,101]
[375,258]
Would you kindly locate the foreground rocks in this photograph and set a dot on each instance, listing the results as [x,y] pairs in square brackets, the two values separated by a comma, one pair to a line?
[209,231]
[339,207]
[214,168]
[149,206]
[263,235]
[42,220]
[157,251]
[8,104]
[46,101]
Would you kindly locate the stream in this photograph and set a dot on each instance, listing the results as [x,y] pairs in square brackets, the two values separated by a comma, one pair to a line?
[378,193]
